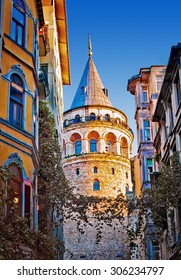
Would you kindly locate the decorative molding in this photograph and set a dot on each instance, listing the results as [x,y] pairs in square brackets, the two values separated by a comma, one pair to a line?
[18,68]
[15,157]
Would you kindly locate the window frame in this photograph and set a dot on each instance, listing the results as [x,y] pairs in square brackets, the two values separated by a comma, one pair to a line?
[96,185]
[16,101]
[17,25]
[78,147]
[93,145]
[144,96]
[147,130]
[95,169]
[148,166]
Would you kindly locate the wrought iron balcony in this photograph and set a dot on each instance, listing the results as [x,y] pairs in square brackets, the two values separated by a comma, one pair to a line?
[101,119]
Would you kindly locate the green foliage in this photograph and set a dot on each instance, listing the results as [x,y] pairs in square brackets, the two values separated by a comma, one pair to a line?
[155,204]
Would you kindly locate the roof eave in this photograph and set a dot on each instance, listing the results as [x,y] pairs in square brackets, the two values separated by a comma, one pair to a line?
[61,20]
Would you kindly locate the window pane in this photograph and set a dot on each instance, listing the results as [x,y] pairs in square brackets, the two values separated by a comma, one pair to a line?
[78,147]
[144,95]
[93,146]
[16,95]
[92,116]
[16,114]
[149,162]
[13,30]
[19,115]
[96,186]
[20,35]
[20,4]
[18,16]
[11,111]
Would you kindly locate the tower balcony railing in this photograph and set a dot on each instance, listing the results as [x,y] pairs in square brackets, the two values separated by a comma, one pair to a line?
[87,119]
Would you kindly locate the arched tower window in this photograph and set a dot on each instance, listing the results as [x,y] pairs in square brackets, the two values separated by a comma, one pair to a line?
[77,171]
[92,116]
[77,118]
[112,171]
[95,169]
[77,143]
[93,138]
[16,101]
[124,147]
[78,147]
[107,117]
[96,185]
[93,145]
[18,22]
[110,143]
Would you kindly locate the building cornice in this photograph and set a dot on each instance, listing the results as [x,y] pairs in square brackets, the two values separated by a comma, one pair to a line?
[61,20]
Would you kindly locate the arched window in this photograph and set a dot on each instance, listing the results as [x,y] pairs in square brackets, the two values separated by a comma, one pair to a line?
[107,117]
[110,143]
[124,147]
[78,147]
[16,101]
[112,171]
[77,118]
[92,116]
[18,22]
[77,171]
[93,145]
[96,185]
[15,189]
[95,169]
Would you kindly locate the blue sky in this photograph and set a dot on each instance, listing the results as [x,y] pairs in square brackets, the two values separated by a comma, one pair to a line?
[126,36]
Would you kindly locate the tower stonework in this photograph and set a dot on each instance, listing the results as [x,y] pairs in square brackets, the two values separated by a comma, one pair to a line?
[97,144]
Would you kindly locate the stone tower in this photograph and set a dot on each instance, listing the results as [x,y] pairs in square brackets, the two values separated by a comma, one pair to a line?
[97,143]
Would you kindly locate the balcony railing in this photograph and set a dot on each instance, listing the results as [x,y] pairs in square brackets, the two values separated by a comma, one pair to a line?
[86,119]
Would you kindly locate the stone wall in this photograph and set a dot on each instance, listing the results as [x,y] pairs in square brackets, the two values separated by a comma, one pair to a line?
[113,244]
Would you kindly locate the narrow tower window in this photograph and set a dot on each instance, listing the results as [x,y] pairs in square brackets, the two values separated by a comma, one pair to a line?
[107,117]
[78,147]
[93,145]
[77,171]
[95,169]
[96,185]
[92,116]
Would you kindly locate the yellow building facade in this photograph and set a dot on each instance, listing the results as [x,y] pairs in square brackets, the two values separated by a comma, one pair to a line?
[19,45]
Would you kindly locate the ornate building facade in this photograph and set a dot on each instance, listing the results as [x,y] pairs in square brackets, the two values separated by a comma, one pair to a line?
[20,23]
[97,144]
[146,88]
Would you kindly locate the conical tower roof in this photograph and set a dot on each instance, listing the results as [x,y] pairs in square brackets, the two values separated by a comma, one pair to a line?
[91,90]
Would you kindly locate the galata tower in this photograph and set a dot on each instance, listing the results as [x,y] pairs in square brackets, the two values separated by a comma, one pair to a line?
[97,144]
